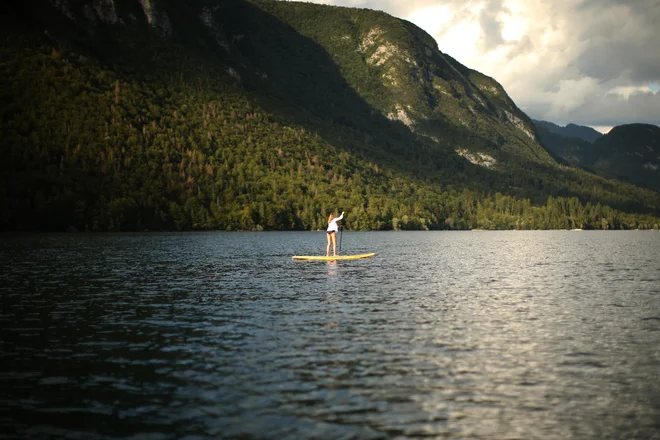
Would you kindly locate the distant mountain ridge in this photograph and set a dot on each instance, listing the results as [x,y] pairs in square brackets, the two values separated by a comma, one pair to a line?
[631,152]
[569,150]
[570,130]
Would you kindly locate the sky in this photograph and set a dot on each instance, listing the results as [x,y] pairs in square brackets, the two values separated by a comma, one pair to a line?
[587,62]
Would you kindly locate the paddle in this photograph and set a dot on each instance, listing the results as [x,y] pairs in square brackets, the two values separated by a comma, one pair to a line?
[341,229]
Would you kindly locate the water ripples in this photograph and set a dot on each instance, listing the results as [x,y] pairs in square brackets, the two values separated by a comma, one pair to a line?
[220,335]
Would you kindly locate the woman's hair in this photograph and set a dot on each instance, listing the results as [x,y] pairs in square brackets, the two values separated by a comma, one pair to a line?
[331,217]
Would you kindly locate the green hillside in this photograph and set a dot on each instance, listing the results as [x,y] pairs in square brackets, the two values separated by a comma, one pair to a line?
[268,115]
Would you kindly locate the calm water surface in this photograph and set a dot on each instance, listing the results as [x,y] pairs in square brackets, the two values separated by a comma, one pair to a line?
[498,335]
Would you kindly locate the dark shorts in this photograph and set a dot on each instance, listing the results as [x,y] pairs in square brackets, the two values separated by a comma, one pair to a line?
[330,232]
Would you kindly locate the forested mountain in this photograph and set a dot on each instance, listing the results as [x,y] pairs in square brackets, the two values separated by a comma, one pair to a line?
[630,152]
[565,149]
[570,130]
[236,114]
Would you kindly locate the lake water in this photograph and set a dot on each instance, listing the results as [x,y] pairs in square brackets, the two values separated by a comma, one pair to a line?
[498,335]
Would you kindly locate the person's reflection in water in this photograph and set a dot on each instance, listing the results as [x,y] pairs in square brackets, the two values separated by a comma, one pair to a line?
[332,267]
[331,297]
[332,315]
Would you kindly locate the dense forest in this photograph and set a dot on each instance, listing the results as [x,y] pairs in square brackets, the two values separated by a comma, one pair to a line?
[115,124]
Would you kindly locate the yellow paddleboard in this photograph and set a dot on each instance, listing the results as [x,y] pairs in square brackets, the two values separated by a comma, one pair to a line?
[337,257]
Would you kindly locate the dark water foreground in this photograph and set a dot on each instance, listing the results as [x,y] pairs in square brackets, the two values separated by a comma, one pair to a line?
[497,335]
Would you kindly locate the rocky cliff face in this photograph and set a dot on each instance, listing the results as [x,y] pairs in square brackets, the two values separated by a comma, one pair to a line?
[94,12]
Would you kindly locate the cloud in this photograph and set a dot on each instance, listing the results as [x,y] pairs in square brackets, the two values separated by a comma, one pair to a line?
[491,25]
[593,62]
[433,19]
[639,106]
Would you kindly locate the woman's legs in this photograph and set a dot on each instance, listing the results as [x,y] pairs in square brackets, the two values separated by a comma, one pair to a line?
[327,249]
[334,243]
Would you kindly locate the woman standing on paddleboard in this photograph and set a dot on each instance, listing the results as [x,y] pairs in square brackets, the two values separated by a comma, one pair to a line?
[331,233]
